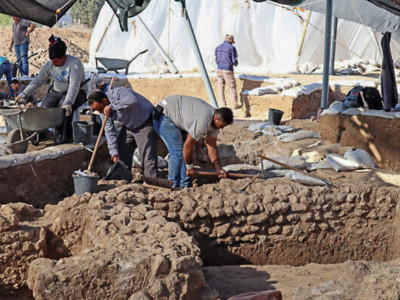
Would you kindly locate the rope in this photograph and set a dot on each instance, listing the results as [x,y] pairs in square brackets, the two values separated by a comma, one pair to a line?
[362,21]
[337,42]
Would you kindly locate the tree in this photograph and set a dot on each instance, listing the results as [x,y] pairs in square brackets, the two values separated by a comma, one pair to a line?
[87,11]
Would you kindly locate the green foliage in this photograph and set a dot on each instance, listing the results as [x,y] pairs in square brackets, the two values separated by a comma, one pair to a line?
[5,20]
[87,11]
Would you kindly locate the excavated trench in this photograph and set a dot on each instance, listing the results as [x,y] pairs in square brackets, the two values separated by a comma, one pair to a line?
[275,222]
[283,223]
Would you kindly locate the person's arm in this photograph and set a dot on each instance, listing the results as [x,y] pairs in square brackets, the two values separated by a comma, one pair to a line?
[76,71]
[234,57]
[213,155]
[43,77]
[30,29]
[188,149]
[111,135]
[125,98]
[12,43]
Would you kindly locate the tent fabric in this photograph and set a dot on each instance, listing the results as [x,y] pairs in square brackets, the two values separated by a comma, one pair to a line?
[390,5]
[40,11]
[125,9]
[362,12]
[44,11]
[268,43]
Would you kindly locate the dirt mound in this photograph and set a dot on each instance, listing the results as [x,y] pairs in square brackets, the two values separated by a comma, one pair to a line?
[77,40]
[101,244]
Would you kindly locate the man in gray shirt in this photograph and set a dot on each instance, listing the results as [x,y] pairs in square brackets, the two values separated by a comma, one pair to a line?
[181,121]
[21,29]
[70,85]
[135,113]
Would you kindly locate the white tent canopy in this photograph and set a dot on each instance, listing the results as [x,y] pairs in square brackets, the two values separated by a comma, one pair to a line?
[267,36]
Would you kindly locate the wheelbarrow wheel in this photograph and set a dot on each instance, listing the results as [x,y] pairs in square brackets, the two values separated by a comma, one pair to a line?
[15,136]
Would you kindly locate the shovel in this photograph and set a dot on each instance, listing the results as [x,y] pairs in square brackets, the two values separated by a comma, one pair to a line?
[97,143]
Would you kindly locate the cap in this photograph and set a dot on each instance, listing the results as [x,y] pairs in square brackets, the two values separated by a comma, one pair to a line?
[229,37]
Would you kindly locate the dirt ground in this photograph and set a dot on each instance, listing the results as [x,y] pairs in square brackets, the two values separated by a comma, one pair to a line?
[77,41]
[274,224]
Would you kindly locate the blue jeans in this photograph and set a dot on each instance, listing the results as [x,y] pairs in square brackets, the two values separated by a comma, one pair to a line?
[6,68]
[21,51]
[173,138]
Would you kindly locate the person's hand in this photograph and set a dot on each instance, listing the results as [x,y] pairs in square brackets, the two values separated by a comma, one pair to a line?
[221,173]
[68,109]
[27,34]
[20,99]
[115,158]
[190,172]
[107,110]
[10,48]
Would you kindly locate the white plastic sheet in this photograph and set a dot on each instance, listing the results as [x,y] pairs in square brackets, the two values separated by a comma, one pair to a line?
[267,36]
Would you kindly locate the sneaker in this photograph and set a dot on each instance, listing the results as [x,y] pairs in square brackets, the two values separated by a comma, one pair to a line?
[237,107]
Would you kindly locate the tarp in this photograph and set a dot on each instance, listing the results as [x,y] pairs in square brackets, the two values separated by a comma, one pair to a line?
[268,43]
[47,12]
[125,9]
[40,11]
[362,12]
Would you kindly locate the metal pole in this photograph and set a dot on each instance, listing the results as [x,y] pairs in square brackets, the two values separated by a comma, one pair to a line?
[327,48]
[199,59]
[333,46]
[171,65]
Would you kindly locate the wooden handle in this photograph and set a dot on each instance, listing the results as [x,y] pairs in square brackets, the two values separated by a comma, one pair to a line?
[97,143]
[250,182]
[231,175]
[283,165]
[155,187]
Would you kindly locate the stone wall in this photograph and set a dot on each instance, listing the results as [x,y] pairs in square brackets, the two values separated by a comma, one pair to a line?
[283,223]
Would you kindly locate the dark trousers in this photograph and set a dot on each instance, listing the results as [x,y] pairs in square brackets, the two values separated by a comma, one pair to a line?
[145,138]
[53,98]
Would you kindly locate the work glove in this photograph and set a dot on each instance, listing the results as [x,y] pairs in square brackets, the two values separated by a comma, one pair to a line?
[20,99]
[68,109]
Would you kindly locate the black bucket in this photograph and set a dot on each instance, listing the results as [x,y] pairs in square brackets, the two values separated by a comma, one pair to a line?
[119,171]
[85,184]
[275,116]
[83,132]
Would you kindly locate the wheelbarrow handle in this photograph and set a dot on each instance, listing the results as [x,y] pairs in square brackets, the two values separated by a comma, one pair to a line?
[97,143]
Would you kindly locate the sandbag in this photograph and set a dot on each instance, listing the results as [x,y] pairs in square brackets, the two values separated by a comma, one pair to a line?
[352,111]
[378,113]
[320,165]
[297,162]
[265,295]
[300,135]
[304,179]
[333,110]
[339,163]
[360,157]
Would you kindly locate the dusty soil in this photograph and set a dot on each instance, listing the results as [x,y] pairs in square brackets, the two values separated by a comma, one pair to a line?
[128,238]
[77,41]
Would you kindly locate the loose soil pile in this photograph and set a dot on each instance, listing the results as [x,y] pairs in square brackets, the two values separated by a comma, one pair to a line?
[77,41]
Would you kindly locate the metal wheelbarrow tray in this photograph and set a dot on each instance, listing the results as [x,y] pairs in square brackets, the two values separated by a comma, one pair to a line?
[115,64]
[29,120]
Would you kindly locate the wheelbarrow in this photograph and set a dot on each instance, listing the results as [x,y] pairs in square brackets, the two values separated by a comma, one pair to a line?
[33,120]
[115,64]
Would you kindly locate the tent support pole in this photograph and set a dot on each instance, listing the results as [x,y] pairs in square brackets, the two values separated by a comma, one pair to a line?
[304,34]
[171,65]
[199,59]
[333,46]
[327,48]
[104,33]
